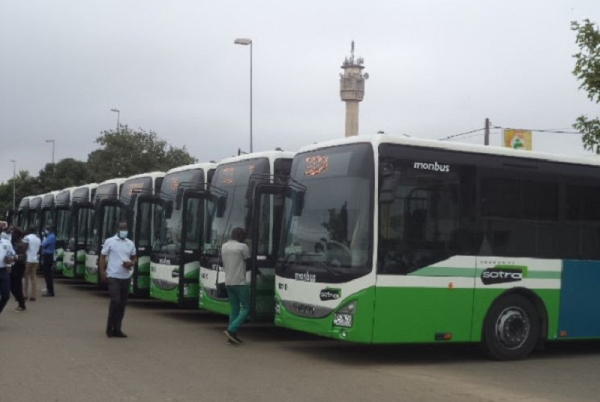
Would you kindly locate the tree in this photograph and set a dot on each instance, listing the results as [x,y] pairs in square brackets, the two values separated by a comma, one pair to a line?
[587,71]
[66,173]
[24,185]
[127,152]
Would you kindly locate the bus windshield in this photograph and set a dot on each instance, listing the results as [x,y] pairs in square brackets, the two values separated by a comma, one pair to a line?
[234,178]
[47,218]
[90,226]
[85,228]
[170,228]
[330,236]
[63,218]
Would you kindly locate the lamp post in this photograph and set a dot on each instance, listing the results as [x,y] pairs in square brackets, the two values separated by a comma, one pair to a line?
[118,117]
[14,186]
[246,42]
[53,143]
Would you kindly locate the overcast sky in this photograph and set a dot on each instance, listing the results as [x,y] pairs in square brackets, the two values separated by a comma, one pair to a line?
[437,68]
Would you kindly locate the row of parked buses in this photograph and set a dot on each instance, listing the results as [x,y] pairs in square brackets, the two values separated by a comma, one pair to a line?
[368,239]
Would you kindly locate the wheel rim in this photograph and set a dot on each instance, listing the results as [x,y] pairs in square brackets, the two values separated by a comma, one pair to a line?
[513,327]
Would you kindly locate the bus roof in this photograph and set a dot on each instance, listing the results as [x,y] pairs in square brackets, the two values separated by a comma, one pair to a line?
[117,181]
[149,174]
[35,201]
[90,186]
[24,203]
[205,166]
[264,154]
[377,139]
[48,198]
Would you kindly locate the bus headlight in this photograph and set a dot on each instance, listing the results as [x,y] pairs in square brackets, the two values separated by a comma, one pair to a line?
[277,308]
[345,316]
[343,320]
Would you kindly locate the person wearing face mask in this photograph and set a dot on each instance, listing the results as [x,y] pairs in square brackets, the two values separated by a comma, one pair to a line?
[7,254]
[121,255]
[48,247]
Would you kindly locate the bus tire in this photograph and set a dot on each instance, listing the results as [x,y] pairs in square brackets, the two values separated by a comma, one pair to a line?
[511,328]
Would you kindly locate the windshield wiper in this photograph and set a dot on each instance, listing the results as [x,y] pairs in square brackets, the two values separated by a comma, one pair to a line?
[287,258]
[328,268]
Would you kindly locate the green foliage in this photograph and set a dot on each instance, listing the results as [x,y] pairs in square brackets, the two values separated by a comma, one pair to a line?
[123,153]
[66,173]
[127,152]
[587,71]
[24,185]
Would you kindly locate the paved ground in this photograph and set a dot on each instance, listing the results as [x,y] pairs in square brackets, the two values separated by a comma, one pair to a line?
[57,351]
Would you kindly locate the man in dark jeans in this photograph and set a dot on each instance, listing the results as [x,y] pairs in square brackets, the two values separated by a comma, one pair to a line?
[121,255]
[48,247]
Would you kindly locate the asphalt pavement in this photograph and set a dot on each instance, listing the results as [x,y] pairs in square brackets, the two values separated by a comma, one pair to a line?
[57,351]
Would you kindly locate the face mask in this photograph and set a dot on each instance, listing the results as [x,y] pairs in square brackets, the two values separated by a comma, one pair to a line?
[122,234]
[46,232]
[4,236]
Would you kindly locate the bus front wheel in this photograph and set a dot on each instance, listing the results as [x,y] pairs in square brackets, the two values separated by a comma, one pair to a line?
[511,328]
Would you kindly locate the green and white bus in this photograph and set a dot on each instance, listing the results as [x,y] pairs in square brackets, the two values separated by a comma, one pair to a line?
[22,214]
[107,212]
[140,219]
[394,240]
[238,177]
[181,212]
[35,213]
[48,211]
[48,218]
[62,211]
[74,259]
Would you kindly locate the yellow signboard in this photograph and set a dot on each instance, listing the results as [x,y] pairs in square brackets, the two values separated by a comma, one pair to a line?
[517,139]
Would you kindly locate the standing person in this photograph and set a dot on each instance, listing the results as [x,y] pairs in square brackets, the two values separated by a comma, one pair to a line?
[6,258]
[234,254]
[121,255]
[48,247]
[18,268]
[33,243]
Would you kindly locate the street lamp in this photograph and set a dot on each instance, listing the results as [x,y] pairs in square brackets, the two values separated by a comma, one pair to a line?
[53,143]
[246,42]
[118,117]
[14,181]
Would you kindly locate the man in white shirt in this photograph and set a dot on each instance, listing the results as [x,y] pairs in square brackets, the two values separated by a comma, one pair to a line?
[121,255]
[31,264]
[234,254]
[6,258]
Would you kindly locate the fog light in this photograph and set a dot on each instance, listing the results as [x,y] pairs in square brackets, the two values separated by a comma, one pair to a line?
[343,320]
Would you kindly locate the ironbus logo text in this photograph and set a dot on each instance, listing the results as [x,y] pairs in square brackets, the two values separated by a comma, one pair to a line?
[492,276]
[431,166]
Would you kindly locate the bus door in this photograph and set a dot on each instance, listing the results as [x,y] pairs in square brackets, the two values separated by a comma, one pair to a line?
[143,238]
[191,243]
[83,214]
[268,199]
[70,258]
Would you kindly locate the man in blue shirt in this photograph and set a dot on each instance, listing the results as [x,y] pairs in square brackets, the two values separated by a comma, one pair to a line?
[121,255]
[48,247]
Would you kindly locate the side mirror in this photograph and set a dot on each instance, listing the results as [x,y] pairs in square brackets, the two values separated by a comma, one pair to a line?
[297,201]
[169,209]
[179,198]
[221,206]
[388,183]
